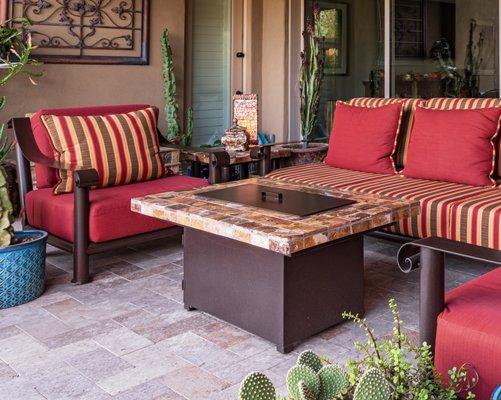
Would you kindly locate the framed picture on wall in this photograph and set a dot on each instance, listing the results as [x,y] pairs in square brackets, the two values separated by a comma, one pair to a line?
[334,29]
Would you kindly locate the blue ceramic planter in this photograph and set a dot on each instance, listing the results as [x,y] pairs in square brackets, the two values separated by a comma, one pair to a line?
[22,269]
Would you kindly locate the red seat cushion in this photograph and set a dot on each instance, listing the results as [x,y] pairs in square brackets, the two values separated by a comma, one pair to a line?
[45,176]
[364,138]
[453,146]
[110,213]
[469,331]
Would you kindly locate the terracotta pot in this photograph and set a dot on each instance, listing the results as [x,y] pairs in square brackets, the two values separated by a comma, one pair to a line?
[313,153]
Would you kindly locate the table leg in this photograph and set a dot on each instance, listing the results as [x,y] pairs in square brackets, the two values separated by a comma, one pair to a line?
[244,171]
[195,169]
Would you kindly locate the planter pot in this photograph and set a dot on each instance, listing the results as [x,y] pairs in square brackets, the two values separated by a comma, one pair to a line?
[300,155]
[22,269]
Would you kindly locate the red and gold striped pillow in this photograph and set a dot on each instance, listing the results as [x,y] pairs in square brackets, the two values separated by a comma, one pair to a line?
[405,129]
[123,148]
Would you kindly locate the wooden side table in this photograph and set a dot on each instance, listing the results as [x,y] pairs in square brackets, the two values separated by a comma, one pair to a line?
[221,162]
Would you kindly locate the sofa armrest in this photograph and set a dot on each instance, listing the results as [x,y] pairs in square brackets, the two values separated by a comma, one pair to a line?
[429,254]
[86,178]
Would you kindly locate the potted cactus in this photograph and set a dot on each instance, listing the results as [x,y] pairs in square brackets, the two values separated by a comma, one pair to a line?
[388,369]
[22,254]
[310,83]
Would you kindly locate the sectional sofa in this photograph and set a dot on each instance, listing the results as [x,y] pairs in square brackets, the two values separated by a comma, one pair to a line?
[462,201]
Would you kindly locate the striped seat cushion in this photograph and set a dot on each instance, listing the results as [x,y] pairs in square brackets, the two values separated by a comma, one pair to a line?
[322,175]
[470,104]
[434,197]
[477,220]
[123,148]
[405,124]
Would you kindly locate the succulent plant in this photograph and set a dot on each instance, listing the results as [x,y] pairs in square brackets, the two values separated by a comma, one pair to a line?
[6,218]
[332,381]
[304,392]
[256,386]
[307,376]
[310,359]
[372,386]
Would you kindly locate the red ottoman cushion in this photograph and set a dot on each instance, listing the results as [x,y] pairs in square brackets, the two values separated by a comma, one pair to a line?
[110,213]
[364,138]
[469,331]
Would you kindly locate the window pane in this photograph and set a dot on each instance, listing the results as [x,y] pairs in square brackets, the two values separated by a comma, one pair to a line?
[445,48]
[353,49]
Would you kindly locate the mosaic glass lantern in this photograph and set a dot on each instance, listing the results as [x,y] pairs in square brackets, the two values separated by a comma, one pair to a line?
[235,138]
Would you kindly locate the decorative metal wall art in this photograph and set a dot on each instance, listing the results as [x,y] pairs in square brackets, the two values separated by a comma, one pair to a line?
[245,112]
[86,31]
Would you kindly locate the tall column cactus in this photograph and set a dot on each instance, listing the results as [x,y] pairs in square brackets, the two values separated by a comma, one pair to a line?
[170,92]
[311,75]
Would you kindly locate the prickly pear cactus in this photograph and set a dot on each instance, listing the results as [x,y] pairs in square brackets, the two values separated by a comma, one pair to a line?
[256,386]
[304,392]
[310,359]
[332,381]
[372,386]
[6,218]
[308,377]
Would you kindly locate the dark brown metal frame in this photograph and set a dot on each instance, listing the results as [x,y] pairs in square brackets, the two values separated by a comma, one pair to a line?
[429,254]
[26,151]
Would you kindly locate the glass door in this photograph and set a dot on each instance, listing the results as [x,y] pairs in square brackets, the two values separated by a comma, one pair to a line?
[444,48]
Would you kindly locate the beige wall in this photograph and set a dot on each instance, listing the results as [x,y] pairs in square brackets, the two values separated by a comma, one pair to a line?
[65,85]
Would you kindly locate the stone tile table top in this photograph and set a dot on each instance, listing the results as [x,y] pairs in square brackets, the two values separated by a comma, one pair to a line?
[272,230]
[239,157]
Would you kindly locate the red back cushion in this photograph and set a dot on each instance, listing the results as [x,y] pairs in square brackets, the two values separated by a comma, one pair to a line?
[47,177]
[364,139]
[453,145]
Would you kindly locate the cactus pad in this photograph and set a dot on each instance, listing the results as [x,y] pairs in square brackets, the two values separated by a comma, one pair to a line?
[310,359]
[256,386]
[308,377]
[372,386]
[332,381]
[304,392]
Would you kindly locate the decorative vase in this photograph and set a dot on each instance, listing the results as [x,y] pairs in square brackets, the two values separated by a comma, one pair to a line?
[235,138]
[305,154]
[22,268]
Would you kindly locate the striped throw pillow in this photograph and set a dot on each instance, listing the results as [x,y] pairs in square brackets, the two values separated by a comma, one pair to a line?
[123,148]
[404,133]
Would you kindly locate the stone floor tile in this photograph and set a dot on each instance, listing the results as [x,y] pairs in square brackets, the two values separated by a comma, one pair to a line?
[98,364]
[9,331]
[154,390]
[44,327]
[143,260]
[222,334]
[194,383]
[6,372]
[251,346]
[19,389]
[122,341]
[20,346]
[156,356]
[76,335]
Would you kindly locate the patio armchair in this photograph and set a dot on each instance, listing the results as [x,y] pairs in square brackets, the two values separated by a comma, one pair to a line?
[89,220]
[463,326]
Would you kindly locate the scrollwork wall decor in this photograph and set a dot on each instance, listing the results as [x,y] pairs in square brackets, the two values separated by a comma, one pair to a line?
[86,31]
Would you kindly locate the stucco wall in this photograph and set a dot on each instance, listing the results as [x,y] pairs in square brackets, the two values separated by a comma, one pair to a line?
[65,85]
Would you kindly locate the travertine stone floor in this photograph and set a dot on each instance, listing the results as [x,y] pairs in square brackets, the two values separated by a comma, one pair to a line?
[126,335]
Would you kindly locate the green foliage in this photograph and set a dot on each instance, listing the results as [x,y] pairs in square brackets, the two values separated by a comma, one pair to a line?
[393,369]
[311,75]
[170,91]
[15,50]
[256,386]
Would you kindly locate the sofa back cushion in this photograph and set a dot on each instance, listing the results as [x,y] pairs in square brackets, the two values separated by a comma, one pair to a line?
[364,138]
[47,177]
[453,145]
[123,148]
[442,103]
[409,107]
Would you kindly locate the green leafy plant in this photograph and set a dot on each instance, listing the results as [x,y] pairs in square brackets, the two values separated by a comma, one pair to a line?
[15,51]
[393,368]
[311,75]
[188,137]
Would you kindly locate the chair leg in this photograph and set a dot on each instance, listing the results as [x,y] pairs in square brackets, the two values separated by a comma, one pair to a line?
[81,236]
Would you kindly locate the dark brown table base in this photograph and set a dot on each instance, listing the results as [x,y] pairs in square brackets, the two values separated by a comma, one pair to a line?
[282,299]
